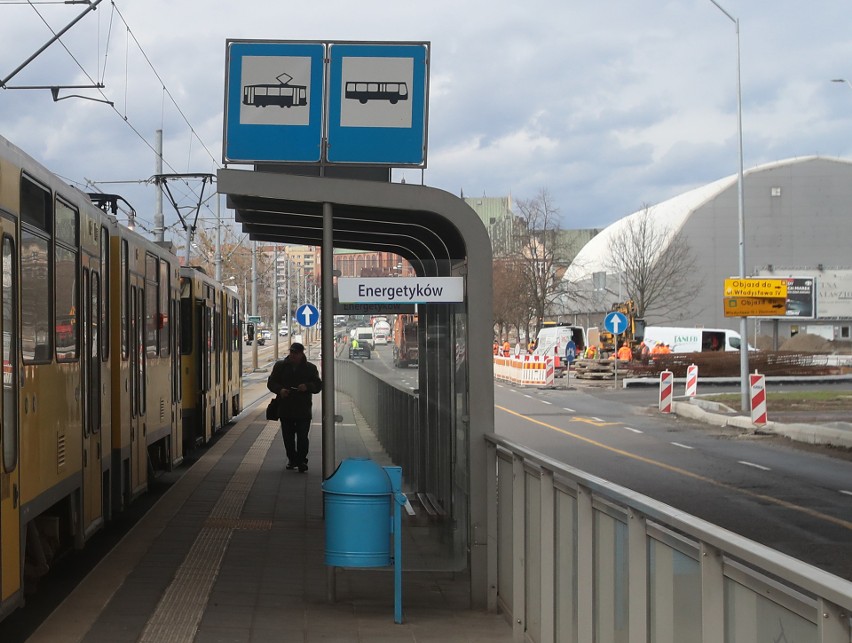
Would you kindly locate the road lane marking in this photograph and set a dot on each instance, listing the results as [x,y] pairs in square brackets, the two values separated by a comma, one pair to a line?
[565,408]
[592,421]
[627,428]
[529,396]
[846,524]
[682,446]
[596,419]
[756,466]
[545,402]
[848,493]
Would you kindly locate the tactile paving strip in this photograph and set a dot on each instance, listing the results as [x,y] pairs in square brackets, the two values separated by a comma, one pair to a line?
[180,609]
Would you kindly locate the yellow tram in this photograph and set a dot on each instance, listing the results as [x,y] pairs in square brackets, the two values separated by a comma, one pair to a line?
[211,355]
[105,339]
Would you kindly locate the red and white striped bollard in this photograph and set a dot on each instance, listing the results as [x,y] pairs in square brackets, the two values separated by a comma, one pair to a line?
[666,391]
[691,380]
[757,383]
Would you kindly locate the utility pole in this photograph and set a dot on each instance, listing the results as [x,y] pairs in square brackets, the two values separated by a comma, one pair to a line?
[217,257]
[159,219]
[254,302]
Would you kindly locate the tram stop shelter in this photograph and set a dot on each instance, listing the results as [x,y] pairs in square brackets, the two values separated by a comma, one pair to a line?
[435,433]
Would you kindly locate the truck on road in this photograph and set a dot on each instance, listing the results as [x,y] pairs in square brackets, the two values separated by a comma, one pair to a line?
[405,343]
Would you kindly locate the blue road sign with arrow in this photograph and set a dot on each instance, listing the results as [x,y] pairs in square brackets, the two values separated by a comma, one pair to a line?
[616,323]
[307,315]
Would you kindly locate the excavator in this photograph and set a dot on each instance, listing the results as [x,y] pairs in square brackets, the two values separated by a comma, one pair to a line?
[633,334]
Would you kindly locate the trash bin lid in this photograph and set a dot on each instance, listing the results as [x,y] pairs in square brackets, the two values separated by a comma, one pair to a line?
[359,476]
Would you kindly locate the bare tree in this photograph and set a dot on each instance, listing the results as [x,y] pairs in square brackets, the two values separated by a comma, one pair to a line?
[511,305]
[543,253]
[656,265]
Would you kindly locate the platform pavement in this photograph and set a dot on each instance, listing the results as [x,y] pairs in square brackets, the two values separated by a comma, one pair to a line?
[237,545]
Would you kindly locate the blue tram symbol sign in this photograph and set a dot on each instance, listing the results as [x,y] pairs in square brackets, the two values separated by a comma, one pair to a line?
[307,315]
[377,103]
[374,111]
[274,101]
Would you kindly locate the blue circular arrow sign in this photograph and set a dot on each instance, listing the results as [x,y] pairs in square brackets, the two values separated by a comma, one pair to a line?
[307,315]
[616,323]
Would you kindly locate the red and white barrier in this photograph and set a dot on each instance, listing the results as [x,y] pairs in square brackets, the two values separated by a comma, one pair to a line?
[666,391]
[757,383]
[525,370]
[691,380]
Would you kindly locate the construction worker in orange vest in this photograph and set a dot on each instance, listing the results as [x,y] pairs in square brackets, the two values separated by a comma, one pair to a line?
[591,352]
[507,348]
[496,348]
[624,353]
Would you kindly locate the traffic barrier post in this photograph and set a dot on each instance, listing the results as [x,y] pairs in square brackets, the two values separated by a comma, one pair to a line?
[666,391]
[691,380]
[757,383]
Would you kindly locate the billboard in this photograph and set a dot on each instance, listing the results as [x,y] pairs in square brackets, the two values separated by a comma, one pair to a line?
[801,298]
[834,294]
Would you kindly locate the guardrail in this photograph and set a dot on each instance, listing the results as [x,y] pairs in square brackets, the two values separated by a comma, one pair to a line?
[572,557]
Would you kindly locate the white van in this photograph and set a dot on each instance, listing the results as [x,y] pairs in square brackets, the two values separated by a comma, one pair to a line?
[552,340]
[364,335]
[693,340]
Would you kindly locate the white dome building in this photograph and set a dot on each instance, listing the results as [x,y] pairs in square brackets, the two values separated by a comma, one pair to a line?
[798,223]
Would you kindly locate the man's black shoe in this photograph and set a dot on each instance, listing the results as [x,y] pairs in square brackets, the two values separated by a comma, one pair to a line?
[303,467]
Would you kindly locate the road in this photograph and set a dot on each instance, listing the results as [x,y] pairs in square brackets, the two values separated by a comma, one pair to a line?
[794,500]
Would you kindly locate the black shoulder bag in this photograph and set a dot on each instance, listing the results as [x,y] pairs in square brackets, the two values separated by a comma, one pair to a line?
[272,410]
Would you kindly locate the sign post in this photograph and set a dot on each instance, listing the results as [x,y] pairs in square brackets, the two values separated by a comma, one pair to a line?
[616,323]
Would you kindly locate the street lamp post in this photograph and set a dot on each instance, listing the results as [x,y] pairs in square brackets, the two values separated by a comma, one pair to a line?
[744,398]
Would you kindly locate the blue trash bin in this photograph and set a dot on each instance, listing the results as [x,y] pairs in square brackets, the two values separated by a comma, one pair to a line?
[358,515]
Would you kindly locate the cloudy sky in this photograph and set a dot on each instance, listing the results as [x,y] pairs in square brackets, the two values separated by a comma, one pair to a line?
[608,105]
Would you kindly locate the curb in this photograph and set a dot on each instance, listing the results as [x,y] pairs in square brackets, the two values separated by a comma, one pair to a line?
[698,410]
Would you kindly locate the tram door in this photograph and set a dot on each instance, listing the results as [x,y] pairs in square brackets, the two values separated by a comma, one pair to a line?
[10,478]
[138,451]
[90,382]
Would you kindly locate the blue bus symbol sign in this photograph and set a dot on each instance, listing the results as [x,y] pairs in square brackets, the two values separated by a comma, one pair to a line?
[616,323]
[307,315]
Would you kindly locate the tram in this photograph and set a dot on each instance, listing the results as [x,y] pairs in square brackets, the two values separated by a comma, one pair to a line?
[98,345]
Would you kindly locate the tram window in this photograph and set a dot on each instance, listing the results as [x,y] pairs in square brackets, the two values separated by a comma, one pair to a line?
[66,223]
[125,297]
[105,296]
[66,310]
[163,318]
[35,205]
[10,360]
[152,298]
[35,298]
[186,298]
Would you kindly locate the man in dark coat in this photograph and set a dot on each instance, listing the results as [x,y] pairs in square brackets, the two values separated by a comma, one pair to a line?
[294,380]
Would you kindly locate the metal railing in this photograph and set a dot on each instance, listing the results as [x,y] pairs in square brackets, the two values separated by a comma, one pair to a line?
[574,558]
[393,414]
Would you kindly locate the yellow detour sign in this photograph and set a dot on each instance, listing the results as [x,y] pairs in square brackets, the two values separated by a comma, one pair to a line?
[756,288]
[755,307]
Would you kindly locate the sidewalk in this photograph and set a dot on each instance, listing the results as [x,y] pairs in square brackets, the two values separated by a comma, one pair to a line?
[234,551]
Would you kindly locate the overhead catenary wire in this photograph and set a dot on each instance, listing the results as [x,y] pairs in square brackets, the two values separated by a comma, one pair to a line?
[99,86]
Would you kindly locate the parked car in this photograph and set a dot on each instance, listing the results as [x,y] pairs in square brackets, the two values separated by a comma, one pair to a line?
[282,332]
